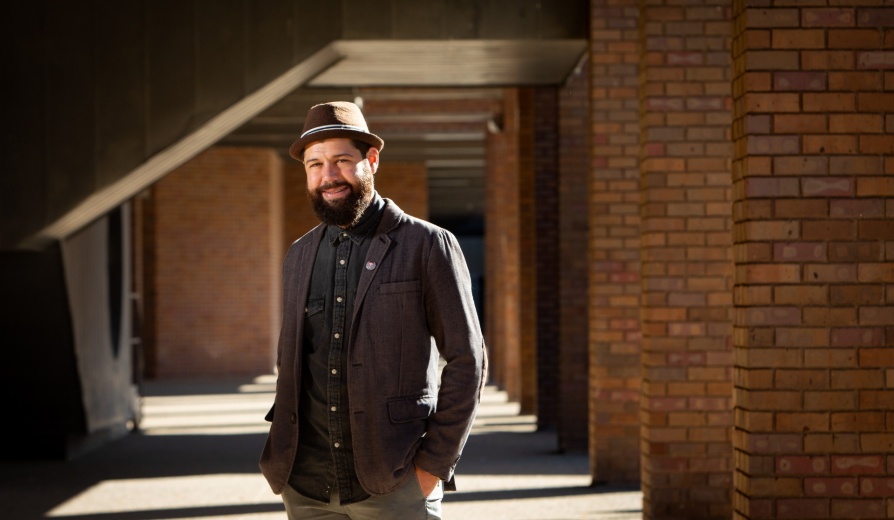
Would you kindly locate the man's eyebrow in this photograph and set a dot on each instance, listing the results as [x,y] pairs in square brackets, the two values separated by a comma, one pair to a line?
[334,156]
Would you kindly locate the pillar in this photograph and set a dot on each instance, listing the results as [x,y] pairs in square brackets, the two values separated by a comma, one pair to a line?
[814,197]
[686,260]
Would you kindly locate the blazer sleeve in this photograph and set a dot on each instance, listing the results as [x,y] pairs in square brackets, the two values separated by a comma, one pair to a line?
[453,322]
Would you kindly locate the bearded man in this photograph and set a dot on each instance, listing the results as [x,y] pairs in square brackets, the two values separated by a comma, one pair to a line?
[364,425]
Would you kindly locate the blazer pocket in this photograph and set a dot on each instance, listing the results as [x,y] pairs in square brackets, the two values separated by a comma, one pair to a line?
[400,287]
[408,409]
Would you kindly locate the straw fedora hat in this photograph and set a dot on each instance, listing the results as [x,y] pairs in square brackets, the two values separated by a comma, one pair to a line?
[334,119]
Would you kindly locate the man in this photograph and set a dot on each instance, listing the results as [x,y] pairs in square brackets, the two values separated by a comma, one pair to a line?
[362,425]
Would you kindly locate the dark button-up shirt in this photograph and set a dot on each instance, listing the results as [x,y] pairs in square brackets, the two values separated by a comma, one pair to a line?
[325,457]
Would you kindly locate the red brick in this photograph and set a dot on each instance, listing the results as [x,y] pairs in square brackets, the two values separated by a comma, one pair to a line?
[858,508]
[855,165]
[772,18]
[829,144]
[877,487]
[801,208]
[854,81]
[856,123]
[875,60]
[772,103]
[827,187]
[798,38]
[822,17]
[877,144]
[799,123]
[858,464]
[875,186]
[876,229]
[858,422]
[827,60]
[772,187]
[870,17]
[854,39]
[819,401]
[799,251]
[798,508]
[871,102]
[856,295]
[831,487]
[829,102]
[857,208]
[802,465]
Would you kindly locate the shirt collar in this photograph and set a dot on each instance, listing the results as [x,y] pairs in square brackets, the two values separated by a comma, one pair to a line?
[362,228]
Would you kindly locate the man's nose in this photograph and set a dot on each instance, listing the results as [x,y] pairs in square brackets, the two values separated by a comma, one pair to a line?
[330,172]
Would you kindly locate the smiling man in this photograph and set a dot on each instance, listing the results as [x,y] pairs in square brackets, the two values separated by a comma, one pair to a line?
[362,426]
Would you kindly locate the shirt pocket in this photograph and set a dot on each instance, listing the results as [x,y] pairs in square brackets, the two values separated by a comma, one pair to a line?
[314,322]
[314,307]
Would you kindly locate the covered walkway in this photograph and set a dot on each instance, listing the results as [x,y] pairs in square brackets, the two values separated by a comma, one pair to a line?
[196,458]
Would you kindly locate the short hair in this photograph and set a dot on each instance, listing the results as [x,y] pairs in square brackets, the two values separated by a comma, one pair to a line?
[362,146]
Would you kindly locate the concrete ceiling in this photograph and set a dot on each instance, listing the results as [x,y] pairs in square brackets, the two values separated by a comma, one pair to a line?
[432,102]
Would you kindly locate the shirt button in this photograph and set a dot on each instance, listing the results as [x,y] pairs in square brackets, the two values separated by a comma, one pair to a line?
[334,371]
[333,408]
[338,299]
[337,335]
[342,261]
[337,445]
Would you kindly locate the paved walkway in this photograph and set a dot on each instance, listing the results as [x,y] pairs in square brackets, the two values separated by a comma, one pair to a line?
[196,458]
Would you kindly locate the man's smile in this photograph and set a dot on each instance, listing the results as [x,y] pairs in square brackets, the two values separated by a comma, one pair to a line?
[336,192]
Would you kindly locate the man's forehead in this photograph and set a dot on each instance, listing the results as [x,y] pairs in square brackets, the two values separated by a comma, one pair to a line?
[333,146]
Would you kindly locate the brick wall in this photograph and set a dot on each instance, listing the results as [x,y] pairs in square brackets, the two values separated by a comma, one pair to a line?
[574,175]
[814,152]
[614,244]
[216,266]
[686,260]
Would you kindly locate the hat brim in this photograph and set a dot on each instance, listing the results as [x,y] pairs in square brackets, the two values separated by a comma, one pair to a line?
[297,148]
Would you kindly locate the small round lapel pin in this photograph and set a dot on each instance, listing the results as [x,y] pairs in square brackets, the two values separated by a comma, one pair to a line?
[370,265]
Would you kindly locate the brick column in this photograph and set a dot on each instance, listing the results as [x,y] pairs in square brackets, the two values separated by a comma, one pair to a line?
[502,247]
[614,244]
[686,260]
[814,156]
[546,142]
[574,175]
[528,288]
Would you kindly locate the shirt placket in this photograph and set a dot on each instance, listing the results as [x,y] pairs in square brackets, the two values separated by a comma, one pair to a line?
[342,254]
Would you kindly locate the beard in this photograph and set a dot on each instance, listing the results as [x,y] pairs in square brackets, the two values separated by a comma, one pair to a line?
[344,212]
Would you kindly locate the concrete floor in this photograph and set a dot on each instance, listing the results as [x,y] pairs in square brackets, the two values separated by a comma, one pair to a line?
[196,458]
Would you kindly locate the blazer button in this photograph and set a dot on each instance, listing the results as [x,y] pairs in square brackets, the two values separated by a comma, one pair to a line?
[293,418]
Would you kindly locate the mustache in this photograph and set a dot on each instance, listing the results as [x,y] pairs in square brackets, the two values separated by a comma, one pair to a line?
[334,184]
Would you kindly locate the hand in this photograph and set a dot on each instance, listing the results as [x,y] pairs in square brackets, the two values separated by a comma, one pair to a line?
[427,481]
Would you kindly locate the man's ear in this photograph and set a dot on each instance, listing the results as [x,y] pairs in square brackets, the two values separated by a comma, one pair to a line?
[373,157]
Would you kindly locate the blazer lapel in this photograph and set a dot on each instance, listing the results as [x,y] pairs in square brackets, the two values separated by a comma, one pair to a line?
[305,270]
[377,250]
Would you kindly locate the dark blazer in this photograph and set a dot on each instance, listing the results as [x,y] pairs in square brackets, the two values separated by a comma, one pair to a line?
[414,287]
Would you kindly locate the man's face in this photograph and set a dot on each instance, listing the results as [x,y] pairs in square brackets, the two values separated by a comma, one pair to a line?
[339,180]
